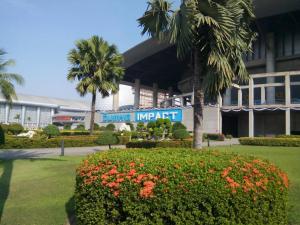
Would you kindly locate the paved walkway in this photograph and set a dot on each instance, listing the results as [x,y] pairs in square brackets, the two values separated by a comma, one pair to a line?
[78,151]
[49,152]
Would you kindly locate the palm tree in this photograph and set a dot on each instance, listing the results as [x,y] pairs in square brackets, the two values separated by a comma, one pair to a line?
[7,79]
[215,34]
[97,66]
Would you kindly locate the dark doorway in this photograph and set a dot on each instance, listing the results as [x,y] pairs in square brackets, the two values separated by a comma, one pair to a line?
[230,124]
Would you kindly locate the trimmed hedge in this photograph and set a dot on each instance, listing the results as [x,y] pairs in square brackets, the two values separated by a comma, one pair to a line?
[2,136]
[179,186]
[27,143]
[287,142]
[214,137]
[288,136]
[160,144]
[74,132]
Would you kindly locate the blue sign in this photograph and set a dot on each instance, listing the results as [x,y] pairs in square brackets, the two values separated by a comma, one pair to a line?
[175,115]
[116,117]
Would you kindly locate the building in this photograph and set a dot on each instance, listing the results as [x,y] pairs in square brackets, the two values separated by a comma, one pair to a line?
[37,112]
[268,105]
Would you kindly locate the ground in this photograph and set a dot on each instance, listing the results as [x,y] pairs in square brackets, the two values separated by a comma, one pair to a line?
[39,191]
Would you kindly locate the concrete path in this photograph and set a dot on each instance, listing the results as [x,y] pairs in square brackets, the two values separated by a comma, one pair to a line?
[80,151]
[49,152]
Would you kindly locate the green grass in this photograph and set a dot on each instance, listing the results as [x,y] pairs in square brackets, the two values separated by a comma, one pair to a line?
[38,191]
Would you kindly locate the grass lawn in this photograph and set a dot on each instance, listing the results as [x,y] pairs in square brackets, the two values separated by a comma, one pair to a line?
[38,191]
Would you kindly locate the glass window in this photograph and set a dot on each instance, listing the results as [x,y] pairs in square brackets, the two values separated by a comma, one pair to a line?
[245,97]
[279,95]
[257,96]
[234,96]
[279,45]
[295,94]
[295,78]
[297,43]
[280,79]
[262,80]
[288,44]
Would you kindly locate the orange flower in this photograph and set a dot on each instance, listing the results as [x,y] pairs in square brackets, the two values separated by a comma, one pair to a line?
[132,164]
[226,171]
[142,165]
[113,171]
[104,177]
[116,193]
[120,180]
[132,172]
[113,185]
[285,179]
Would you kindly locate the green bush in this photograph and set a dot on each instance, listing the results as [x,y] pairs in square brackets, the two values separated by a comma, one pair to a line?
[27,143]
[140,126]
[287,142]
[131,126]
[214,137]
[15,128]
[124,139]
[178,126]
[2,136]
[288,136]
[4,127]
[160,144]
[80,127]
[67,127]
[179,187]
[107,138]
[110,127]
[181,134]
[51,131]
[228,136]
[96,126]
[74,132]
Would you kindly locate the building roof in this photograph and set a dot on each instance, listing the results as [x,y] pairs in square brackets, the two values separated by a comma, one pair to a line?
[63,104]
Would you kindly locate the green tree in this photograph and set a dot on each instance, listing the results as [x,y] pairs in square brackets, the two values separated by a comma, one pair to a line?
[215,34]
[51,131]
[7,80]
[96,65]
[107,138]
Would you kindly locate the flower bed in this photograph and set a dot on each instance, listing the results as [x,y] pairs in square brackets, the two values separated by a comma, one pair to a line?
[179,186]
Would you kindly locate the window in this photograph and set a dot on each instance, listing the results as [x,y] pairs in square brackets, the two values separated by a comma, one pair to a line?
[295,94]
[295,78]
[288,43]
[279,95]
[297,43]
[245,97]
[257,96]
[234,96]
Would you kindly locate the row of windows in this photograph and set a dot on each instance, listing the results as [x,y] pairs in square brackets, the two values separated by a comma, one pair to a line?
[286,44]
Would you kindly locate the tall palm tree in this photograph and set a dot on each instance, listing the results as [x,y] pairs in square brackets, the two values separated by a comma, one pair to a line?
[97,66]
[7,80]
[215,34]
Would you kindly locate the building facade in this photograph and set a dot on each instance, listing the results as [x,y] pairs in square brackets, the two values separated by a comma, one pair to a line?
[35,112]
[268,105]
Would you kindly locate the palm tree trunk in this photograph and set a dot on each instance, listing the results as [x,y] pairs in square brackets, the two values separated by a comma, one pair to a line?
[198,101]
[93,110]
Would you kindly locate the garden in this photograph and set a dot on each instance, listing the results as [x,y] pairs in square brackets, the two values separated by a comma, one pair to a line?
[160,133]
[154,176]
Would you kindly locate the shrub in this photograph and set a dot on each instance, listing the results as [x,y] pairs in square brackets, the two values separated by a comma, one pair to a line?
[15,128]
[178,126]
[140,126]
[80,127]
[107,138]
[160,144]
[74,132]
[287,142]
[110,127]
[27,143]
[228,136]
[124,139]
[2,136]
[67,127]
[179,187]
[288,136]
[4,127]
[214,137]
[51,131]
[96,126]
[181,134]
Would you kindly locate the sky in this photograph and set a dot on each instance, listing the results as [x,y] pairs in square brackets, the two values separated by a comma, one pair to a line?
[38,34]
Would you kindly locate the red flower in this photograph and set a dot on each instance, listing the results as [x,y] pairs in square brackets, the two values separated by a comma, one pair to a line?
[113,171]
[104,177]
[116,193]
[132,172]
[226,171]
[132,164]
[113,185]
[120,180]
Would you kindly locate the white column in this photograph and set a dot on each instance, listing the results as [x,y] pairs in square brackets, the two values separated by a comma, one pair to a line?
[251,93]
[23,115]
[38,117]
[155,95]
[287,90]
[116,100]
[137,92]
[288,121]
[6,113]
[251,123]
[240,98]
[270,66]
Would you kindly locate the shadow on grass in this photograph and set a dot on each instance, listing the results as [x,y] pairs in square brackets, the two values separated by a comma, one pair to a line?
[70,210]
[5,184]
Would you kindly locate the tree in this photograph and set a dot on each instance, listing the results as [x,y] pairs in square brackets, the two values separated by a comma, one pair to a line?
[51,131]
[96,65]
[7,80]
[107,138]
[213,34]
